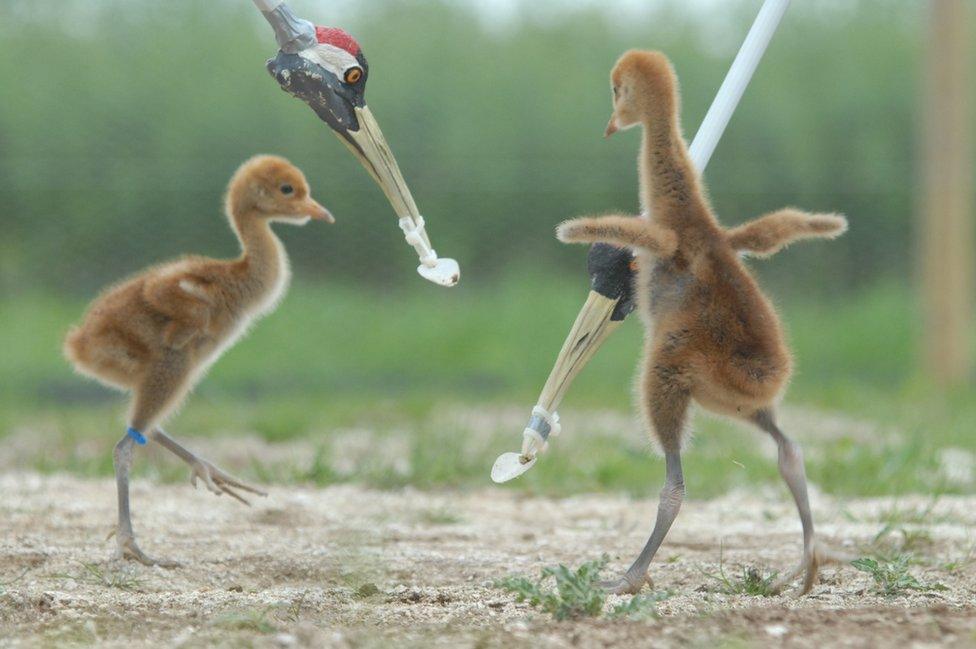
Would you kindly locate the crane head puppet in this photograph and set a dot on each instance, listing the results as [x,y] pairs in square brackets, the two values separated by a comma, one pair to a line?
[326,68]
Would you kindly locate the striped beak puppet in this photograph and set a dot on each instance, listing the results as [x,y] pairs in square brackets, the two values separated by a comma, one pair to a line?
[610,300]
[325,67]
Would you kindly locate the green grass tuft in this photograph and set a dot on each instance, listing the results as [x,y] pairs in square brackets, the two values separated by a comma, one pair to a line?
[752,581]
[891,576]
[575,594]
[894,540]
[572,594]
[122,578]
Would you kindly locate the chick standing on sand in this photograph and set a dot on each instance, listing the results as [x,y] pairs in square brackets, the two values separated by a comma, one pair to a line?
[156,334]
[711,335]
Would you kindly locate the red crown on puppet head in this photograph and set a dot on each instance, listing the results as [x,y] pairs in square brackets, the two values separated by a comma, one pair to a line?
[338,38]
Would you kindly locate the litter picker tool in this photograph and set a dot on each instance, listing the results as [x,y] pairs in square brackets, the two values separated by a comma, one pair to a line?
[325,67]
[611,269]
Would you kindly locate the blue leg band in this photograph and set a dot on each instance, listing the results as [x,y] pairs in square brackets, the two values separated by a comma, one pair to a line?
[136,435]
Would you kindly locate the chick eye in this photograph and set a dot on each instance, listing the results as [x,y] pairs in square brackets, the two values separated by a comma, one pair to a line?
[353,75]
[287,189]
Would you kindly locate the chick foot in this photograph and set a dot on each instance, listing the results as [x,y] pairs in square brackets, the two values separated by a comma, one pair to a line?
[626,585]
[128,550]
[220,482]
[810,568]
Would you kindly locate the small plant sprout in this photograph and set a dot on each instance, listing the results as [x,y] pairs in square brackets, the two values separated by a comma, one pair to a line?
[904,530]
[891,576]
[95,575]
[577,593]
[753,581]
[912,515]
[902,539]
[953,565]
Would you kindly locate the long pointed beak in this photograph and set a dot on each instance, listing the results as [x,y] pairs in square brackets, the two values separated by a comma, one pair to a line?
[592,326]
[611,127]
[369,145]
[318,212]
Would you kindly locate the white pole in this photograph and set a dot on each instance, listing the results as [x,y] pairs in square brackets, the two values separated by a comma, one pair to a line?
[743,67]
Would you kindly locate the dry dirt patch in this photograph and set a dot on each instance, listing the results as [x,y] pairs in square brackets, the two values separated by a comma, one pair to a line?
[348,566]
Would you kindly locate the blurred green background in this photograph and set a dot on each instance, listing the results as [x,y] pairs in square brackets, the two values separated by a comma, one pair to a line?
[121,122]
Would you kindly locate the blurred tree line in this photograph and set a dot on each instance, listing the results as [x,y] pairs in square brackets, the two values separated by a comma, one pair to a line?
[121,122]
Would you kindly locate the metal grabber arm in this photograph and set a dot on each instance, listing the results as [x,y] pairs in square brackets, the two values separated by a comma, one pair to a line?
[325,67]
[611,272]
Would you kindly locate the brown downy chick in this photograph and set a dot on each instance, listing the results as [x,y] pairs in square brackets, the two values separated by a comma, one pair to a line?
[712,337]
[156,334]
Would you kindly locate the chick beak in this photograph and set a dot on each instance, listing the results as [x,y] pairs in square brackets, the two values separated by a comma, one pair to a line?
[611,126]
[319,213]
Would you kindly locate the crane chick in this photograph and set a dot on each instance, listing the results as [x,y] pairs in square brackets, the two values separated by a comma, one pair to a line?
[155,334]
[712,337]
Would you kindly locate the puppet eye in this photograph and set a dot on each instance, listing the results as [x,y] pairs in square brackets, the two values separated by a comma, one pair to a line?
[353,75]
[287,189]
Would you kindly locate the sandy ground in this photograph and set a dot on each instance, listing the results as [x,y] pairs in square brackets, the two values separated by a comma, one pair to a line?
[352,567]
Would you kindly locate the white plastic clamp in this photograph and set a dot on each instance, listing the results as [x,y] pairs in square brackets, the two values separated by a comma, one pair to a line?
[536,441]
[413,232]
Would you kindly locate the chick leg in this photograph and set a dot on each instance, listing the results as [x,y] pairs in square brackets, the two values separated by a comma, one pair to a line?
[666,401]
[215,479]
[792,470]
[667,510]
[164,385]
[124,535]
